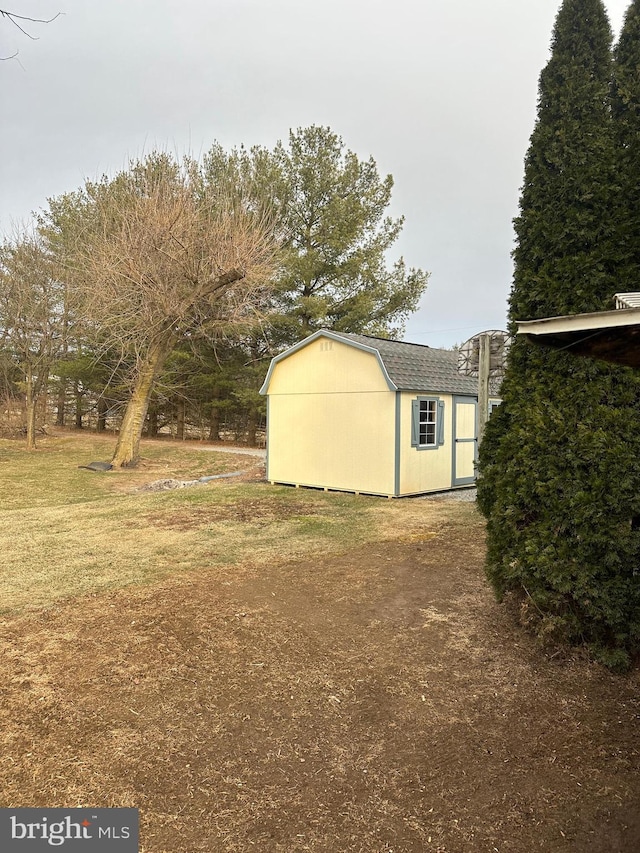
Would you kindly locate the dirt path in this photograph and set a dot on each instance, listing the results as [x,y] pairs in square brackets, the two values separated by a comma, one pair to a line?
[378,702]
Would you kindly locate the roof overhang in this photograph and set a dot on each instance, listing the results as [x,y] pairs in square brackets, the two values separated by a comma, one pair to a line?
[609,335]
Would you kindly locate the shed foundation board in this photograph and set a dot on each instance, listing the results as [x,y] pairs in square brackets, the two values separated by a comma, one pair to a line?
[369,494]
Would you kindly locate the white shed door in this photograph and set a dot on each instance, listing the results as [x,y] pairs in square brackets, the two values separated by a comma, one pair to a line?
[465,440]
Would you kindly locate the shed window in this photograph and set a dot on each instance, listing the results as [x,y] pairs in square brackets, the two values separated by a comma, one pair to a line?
[427,422]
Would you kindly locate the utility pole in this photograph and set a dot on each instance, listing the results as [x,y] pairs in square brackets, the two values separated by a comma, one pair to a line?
[483,356]
[484,371]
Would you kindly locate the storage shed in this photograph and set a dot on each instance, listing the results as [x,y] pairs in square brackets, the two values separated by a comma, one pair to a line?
[361,414]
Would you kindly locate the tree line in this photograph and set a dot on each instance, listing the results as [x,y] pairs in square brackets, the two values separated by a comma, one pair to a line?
[156,297]
[560,463]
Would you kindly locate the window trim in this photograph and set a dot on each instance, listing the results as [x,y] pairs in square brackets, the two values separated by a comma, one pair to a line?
[415,422]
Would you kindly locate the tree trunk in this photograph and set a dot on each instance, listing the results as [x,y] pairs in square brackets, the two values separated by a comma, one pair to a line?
[127,450]
[180,414]
[79,412]
[214,424]
[252,428]
[62,383]
[152,421]
[31,413]
[103,407]
[61,403]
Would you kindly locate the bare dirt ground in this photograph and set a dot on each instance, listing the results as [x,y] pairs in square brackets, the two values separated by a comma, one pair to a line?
[376,702]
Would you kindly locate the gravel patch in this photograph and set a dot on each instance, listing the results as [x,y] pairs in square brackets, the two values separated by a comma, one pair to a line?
[259,452]
[453,495]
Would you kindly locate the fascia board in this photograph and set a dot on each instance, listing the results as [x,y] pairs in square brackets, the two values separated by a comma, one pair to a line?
[593,322]
[285,354]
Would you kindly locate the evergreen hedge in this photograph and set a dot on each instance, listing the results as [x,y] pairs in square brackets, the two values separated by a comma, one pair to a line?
[560,461]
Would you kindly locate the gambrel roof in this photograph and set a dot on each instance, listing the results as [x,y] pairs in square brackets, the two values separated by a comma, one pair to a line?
[407,367]
[416,367]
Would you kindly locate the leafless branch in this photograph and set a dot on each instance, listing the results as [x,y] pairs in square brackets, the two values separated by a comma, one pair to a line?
[13,17]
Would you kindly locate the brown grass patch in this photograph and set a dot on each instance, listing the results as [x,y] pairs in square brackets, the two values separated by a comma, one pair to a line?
[374,700]
[254,512]
[268,669]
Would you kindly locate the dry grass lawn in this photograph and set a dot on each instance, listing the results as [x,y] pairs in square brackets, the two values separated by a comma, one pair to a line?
[67,531]
[284,670]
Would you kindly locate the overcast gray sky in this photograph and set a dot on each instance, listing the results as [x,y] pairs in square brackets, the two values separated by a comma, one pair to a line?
[442,93]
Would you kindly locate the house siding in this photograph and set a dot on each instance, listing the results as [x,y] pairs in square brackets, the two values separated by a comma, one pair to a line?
[327,366]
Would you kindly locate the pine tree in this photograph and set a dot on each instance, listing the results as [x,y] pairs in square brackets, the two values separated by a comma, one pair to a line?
[560,463]
[333,212]
[336,273]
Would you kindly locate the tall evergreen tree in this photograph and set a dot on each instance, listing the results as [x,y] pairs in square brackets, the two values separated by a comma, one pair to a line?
[332,210]
[625,102]
[336,273]
[560,463]
[336,235]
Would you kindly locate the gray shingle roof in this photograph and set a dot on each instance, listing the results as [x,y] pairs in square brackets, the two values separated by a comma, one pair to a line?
[415,367]
[410,367]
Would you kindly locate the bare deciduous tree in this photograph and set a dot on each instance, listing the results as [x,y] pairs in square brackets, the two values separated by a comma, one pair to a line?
[30,317]
[157,257]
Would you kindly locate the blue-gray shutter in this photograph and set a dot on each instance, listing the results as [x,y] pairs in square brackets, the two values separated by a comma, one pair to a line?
[415,422]
[440,422]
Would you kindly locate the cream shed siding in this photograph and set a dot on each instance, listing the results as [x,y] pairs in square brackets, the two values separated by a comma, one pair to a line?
[423,470]
[326,366]
[331,420]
